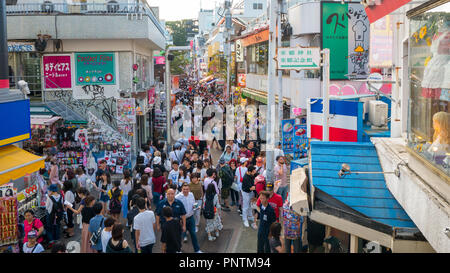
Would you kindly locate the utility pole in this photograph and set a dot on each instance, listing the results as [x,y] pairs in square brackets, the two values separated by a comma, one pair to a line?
[271,116]
[4,71]
[228,43]
[326,98]
[280,72]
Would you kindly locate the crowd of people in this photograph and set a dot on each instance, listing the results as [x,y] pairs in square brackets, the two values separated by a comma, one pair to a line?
[165,196]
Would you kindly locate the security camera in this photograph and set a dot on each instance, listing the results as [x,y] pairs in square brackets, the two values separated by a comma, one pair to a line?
[345,169]
[23,86]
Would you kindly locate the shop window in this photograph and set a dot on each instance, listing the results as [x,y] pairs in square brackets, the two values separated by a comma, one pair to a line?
[257,58]
[25,66]
[429,71]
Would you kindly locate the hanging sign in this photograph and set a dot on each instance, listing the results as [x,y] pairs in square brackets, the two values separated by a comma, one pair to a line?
[239,51]
[287,135]
[300,141]
[346,32]
[126,111]
[298,58]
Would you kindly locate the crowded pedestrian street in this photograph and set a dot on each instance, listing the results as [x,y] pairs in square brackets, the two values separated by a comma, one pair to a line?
[210,128]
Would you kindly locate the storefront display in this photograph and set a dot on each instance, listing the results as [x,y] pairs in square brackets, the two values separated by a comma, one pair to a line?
[430,84]
[287,126]
[8,218]
[300,142]
[43,134]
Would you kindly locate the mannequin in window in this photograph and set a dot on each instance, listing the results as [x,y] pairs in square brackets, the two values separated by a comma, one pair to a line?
[441,133]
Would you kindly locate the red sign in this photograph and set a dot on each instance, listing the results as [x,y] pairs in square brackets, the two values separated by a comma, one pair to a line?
[57,71]
[160,60]
[151,96]
[376,9]
[241,80]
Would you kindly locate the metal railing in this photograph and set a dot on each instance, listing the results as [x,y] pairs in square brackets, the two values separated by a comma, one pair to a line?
[85,9]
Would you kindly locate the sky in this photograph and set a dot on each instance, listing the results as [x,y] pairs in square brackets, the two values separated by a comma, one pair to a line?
[172,10]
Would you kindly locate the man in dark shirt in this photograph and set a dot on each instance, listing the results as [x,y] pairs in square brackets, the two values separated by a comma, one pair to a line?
[254,151]
[102,168]
[267,217]
[178,210]
[171,232]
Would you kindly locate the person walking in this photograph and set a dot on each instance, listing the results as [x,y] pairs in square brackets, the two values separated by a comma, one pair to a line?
[197,189]
[115,204]
[211,212]
[117,244]
[170,232]
[280,171]
[81,178]
[178,210]
[188,200]
[55,213]
[227,177]
[106,232]
[158,181]
[144,225]
[292,223]
[54,172]
[147,187]
[32,223]
[126,184]
[69,197]
[247,194]
[234,189]
[267,217]
[275,201]
[275,242]
[96,223]
[87,213]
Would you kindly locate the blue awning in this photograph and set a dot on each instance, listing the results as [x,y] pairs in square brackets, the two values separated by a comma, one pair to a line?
[366,194]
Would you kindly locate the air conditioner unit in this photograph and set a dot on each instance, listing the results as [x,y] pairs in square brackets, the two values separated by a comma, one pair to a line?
[378,113]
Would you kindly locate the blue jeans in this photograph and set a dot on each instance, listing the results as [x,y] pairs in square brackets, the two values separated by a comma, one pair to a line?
[147,249]
[283,192]
[190,226]
[156,197]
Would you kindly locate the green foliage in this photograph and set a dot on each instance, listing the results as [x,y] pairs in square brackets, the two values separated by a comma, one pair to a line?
[177,66]
[178,31]
[218,66]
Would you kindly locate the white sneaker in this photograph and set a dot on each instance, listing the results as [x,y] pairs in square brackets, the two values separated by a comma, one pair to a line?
[199,251]
[254,226]
[185,239]
[196,229]
[246,224]
[211,238]
[217,233]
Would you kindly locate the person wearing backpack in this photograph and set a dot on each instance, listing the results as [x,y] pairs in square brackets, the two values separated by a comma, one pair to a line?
[115,204]
[227,177]
[211,212]
[96,225]
[55,213]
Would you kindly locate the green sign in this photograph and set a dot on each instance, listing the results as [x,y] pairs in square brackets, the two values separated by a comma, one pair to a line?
[298,58]
[95,68]
[346,32]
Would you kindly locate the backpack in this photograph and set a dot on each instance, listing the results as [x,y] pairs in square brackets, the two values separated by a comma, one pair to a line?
[226,175]
[208,210]
[114,204]
[57,213]
[97,234]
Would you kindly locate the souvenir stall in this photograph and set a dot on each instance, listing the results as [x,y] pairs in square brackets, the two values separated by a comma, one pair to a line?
[43,134]
[106,143]
[9,220]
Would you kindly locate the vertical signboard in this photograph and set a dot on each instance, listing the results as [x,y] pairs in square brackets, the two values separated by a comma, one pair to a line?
[57,71]
[381,38]
[126,111]
[345,31]
[239,51]
[300,142]
[95,68]
[287,135]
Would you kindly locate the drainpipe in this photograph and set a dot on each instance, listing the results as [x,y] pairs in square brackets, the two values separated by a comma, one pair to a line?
[4,70]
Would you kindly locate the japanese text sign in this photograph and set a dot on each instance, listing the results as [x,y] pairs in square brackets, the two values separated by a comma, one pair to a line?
[346,32]
[57,71]
[95,68]
[298,58]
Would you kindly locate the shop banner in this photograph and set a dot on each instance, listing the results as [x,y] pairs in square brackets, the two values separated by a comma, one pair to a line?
[381,43]
[21,47]
[377,9]
[346,32]
[160,59]
[239,51]
[57,71]
[287,135]
[151,96]
[242,80]
[126,111]
[259,37]
[300,142]
[96,68]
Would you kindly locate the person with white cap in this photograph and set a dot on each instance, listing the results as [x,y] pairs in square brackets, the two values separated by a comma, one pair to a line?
[240,173]
[32,246]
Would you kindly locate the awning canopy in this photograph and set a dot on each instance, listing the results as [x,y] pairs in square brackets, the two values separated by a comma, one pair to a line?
[16,163]
[40,121]
[260,96]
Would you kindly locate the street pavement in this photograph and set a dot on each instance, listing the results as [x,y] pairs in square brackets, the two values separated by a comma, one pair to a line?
[234,238]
